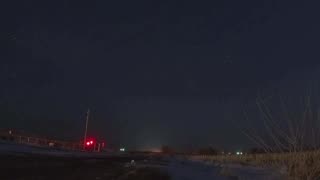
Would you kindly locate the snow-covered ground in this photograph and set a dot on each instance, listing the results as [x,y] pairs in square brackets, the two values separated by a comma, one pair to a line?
[190,170]
[181,169]
[178,169]
[184,170]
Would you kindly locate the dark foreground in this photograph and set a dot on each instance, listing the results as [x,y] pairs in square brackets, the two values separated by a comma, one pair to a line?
[67,168]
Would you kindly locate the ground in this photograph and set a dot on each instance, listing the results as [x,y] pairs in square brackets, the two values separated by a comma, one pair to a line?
[54,168]
[29,163]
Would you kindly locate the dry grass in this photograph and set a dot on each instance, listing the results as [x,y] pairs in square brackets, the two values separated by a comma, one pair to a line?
[290,128]
[297,166]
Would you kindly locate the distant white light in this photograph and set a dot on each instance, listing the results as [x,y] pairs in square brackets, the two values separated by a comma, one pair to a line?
[122,149]
[239,153]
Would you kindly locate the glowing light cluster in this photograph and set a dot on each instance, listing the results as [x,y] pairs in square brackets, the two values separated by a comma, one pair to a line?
[88,143]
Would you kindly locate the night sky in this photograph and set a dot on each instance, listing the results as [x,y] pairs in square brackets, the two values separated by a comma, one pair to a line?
[152,72]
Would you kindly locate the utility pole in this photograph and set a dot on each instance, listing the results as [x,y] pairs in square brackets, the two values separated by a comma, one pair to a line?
[86,129]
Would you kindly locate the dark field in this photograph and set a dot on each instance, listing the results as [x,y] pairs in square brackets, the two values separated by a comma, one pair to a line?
[62,168]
